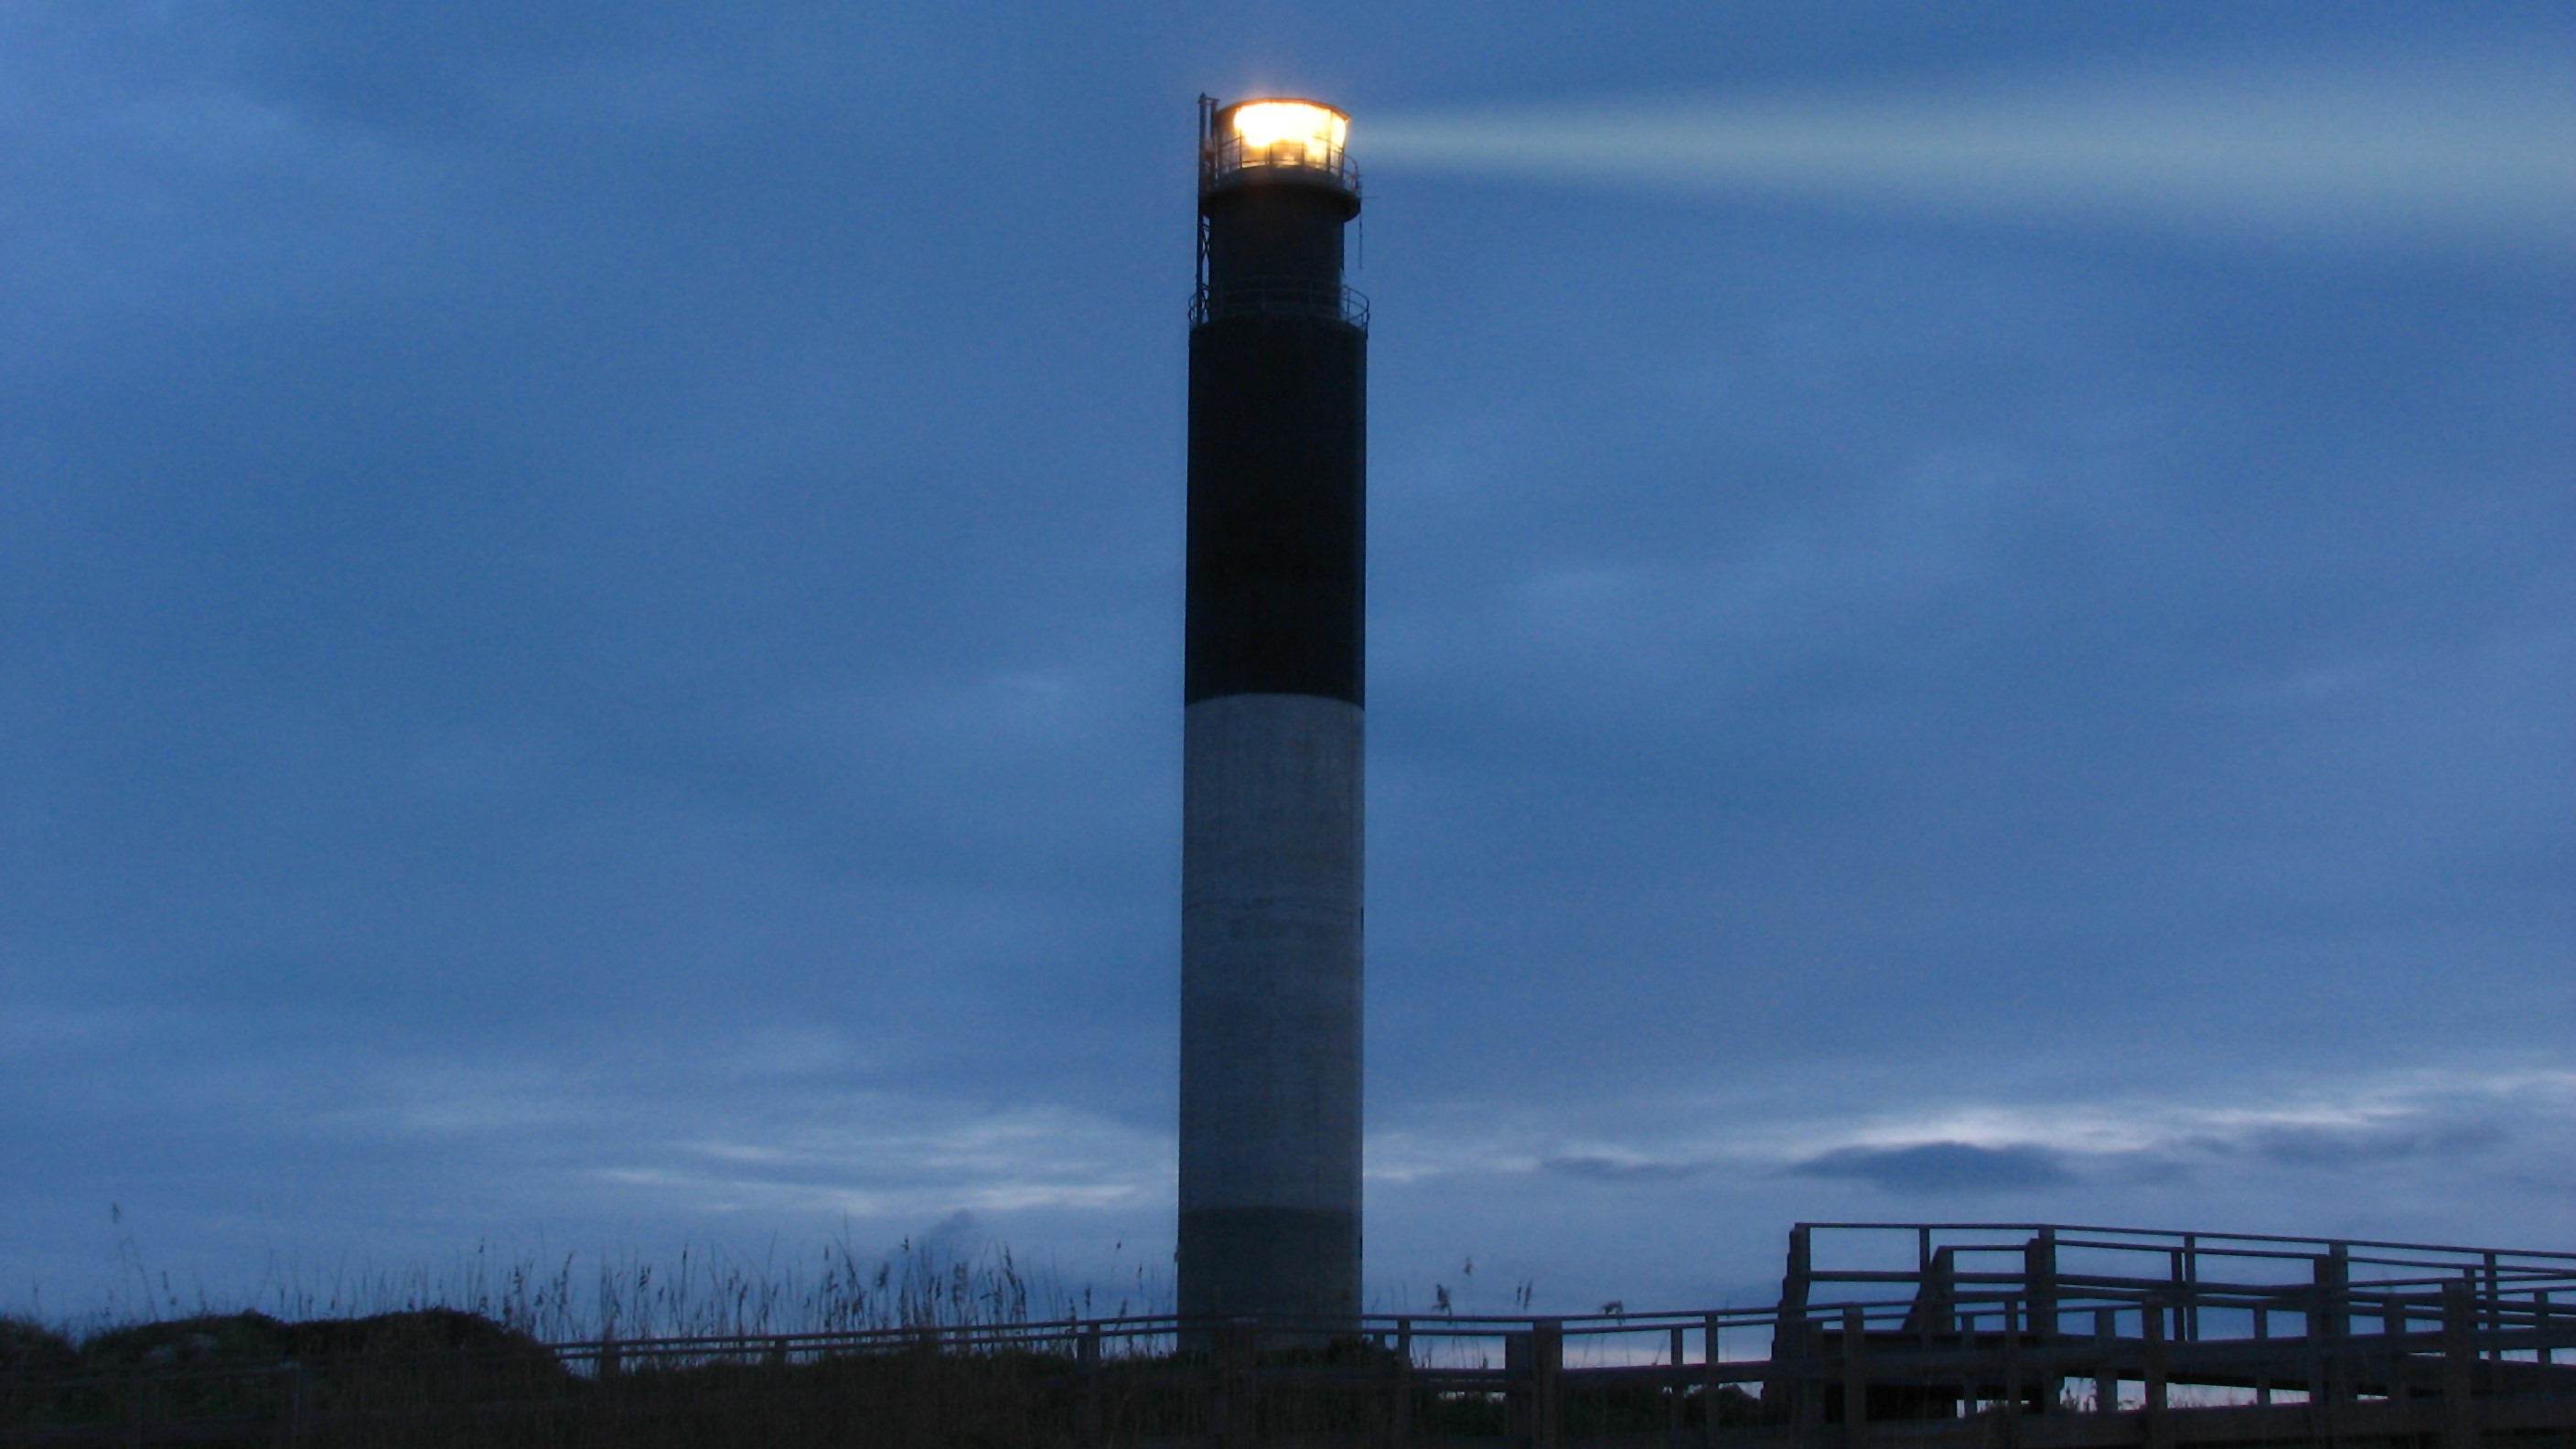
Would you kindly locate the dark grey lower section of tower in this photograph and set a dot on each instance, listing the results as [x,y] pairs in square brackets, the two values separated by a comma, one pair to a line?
[1270,1008]
[1273,761]
[1290,1263]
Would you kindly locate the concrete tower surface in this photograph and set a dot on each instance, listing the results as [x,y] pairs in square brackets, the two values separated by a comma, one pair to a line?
[1270,875]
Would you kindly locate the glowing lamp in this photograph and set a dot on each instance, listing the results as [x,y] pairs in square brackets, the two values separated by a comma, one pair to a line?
[1283,138]
[1312,129]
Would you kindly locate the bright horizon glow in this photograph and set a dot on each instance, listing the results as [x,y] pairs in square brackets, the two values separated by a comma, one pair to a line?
[1320,130]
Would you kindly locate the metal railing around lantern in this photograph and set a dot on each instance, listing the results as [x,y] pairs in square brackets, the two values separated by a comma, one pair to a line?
[1224,159]
[1303,301]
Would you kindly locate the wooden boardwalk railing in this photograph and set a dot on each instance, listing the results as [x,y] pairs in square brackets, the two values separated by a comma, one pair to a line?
[2032,1336]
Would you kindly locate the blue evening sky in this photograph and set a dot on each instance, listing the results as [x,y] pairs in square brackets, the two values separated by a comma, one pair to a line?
[1971,617]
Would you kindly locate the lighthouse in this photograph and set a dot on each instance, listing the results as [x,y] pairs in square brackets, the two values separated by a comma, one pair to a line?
[1272,726]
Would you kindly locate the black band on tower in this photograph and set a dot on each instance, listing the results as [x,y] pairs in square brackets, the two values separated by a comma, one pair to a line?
[1278,443]
[1278,508]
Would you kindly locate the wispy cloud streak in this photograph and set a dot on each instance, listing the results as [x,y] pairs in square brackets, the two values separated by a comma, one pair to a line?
[2355,1123]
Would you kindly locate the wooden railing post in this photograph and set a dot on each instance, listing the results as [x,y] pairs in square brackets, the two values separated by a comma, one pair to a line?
[1547,1365]
[1678,1382]
[1936,1295]
[2495,1309]
[2314,1352]
[1086,1353]
[1710,1338]
[2156,1412]
[1403,1417]
[2330,1332]
[2187,1316]
[2392,1329]
[2039,1274]
[1793,1288]
[2106,1373]
[2012,1372]
[2263,1332]
[1793,1339]
[1855,1379]
[2459,1365]
[1520,1416]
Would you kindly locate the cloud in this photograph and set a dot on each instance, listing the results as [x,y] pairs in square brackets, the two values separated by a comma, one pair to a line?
[2337,1147]
[1942,1167]
[2240,1132]
[1613,1169]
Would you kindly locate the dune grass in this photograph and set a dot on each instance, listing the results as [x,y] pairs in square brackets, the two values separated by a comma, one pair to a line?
[459,1355]
[697,1292]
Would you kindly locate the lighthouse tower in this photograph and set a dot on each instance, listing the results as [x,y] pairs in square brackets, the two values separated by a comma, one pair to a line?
[1271,813]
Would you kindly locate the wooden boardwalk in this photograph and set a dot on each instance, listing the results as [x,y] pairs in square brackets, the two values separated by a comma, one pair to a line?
[2023,1335]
